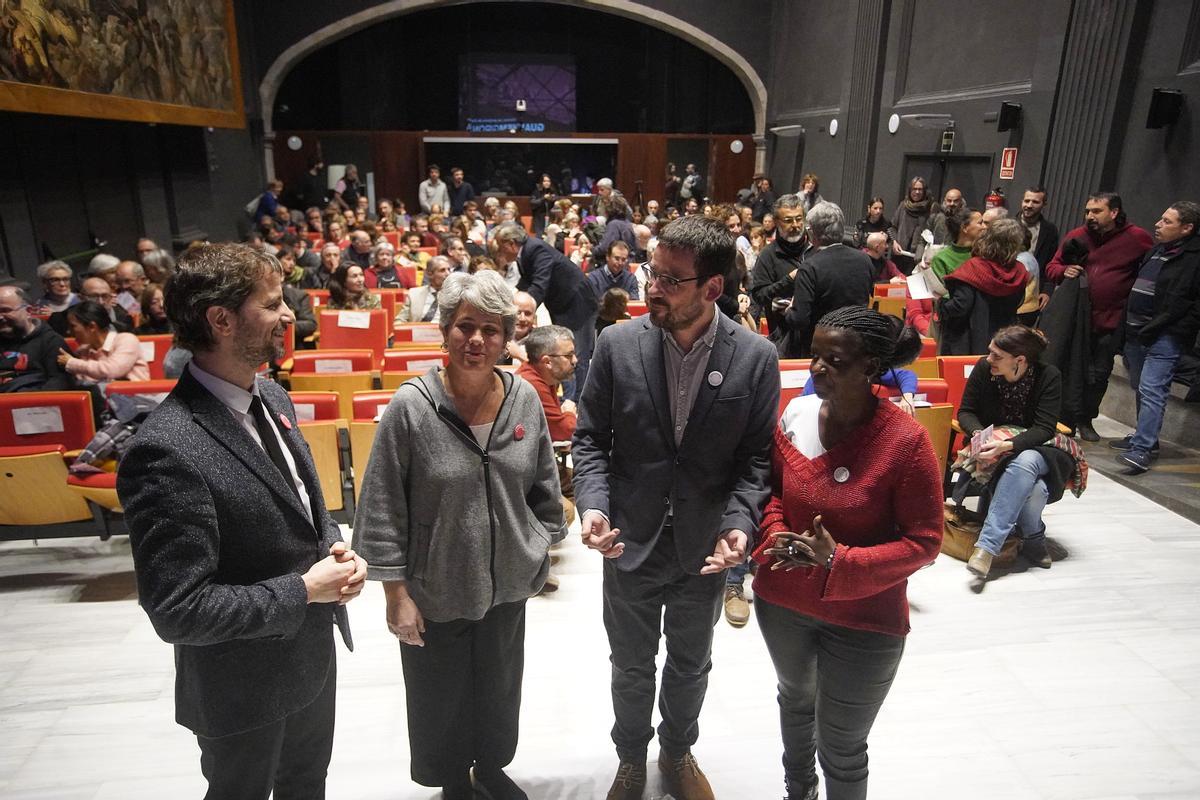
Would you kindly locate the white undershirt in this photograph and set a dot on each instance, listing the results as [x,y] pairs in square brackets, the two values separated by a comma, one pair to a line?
[482,432]
[801,423]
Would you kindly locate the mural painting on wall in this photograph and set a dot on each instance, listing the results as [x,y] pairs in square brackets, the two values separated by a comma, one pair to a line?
[154,60]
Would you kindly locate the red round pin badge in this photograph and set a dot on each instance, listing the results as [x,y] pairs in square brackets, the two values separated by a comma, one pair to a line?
[519,432]
[284,421]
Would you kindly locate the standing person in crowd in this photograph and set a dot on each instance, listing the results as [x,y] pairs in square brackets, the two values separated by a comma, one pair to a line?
[763,199]
[615,275]
[55,277]
[1162,319]
[908,220]
[606,193]
[311,189]
[459,191]
[952,202]
[773,279]
[541,203]
[874,222]
[553,280]
[692,187]
[671,187]
[250,581]
[810,192]
[432,191]
[101,354]
[963,228]
[420,304]
[460,547]
[618,228]
[348,290]
[855,509]
[671,467]
[268,203]
[1111,250]
[832,277]
[982,296]
[1043,236]
[154,312]
[29,347]
[347,190]
[1011,386]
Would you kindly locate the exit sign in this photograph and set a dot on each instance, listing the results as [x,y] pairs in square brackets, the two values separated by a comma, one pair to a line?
[1008,163]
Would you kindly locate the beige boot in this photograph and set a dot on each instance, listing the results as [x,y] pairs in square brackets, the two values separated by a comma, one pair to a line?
[980,562]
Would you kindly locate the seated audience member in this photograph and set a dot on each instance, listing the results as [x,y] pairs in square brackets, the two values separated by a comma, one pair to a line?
[614,307]
[514,351]
[154,313]
[410,255]
[55,277]
[104,266]
[158,266]
[383,273]
[294,275]
[455,249]
[305,257]
[551,359]
[878,249]
[982,296]
[336,234]
[331,259]
[97,290]
[29,348]
[1010,386]
[348,290]
[101,354]
[919,314]
[420,225]
[313,221]
[482,262]
[359,251]
[963,227]
[615,274]
[131,281]
[420,304]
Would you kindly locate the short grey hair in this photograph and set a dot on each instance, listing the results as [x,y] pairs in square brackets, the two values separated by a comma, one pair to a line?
[542,340]
[384,244]
[44,270]
[825,223]
[787,201]
[102,263]
[437,261]
[485,290]
[605,182]
[159,259]
[509,232]
[138,271]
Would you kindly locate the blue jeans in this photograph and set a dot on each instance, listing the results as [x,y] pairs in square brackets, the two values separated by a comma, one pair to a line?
[736,576]
[1017,501]
[1151,368]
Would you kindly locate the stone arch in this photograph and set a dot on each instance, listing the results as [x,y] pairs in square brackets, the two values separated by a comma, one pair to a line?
[273,78]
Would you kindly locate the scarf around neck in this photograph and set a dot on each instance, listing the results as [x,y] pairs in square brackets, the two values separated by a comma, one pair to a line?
[994,279]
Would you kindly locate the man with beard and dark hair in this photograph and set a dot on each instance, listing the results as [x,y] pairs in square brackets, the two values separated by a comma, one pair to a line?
[1043,236]
[1110,251]
[460,192]
[773,280]
[909,220]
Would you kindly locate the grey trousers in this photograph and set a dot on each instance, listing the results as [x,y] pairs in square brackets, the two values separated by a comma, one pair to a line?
[832,683]
[688,607]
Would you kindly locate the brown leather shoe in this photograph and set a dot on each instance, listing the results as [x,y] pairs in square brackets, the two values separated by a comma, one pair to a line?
[683,779]
[629,783]
[737,609]
[980,562]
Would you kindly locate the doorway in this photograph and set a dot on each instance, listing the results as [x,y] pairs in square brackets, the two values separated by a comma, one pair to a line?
[970,174]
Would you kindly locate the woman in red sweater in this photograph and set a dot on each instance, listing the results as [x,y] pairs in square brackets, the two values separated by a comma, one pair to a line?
[859,477]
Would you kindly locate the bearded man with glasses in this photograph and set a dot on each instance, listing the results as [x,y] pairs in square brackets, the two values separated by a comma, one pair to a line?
[773,280]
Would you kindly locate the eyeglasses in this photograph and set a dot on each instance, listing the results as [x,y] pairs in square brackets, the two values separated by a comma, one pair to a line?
[667,280]
[570,356]
[790,221]
[5,312]
[99,298]
[57,280]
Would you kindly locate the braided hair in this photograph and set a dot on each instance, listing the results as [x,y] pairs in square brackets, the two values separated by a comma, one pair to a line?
[882,336]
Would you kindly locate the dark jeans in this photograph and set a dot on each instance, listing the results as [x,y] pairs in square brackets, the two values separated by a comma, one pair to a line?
[832,683]
[290,756]
[634,603]
[1151,369]
[1101,353]
[464,694]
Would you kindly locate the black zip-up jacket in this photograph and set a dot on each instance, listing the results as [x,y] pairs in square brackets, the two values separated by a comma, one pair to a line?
[1176,294]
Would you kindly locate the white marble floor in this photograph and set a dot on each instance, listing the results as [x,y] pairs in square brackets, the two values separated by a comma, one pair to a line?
[1078,682]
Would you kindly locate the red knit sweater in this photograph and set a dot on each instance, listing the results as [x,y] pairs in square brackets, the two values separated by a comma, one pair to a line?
[1112,267]
[886,519]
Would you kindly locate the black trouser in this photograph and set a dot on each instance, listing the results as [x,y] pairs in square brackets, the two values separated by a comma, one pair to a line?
[464,694]
[832,683]
[633,605]
[1101,353]
[290,756]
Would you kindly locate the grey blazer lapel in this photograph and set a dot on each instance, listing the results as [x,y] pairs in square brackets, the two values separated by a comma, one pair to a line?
[651,346]
[212,415]
[719,361]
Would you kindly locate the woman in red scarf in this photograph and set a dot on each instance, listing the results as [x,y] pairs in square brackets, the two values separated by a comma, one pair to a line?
[983,295]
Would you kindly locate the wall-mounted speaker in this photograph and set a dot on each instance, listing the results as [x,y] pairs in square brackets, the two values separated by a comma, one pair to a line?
[1165,106]
[1009,118]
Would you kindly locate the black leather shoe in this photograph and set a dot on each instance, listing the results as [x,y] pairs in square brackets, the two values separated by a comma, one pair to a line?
[495,785]
[1088,433]
[1036,553]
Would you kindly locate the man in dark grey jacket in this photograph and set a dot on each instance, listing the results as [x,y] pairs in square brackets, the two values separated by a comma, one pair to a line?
[671,460]
[238,563]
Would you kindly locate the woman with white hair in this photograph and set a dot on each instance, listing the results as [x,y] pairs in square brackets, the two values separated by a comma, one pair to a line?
[460,504]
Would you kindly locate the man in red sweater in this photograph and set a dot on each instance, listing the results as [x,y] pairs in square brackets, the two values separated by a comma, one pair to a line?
[1114,249]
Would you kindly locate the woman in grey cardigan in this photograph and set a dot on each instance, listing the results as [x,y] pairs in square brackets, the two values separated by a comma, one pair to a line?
[459,506]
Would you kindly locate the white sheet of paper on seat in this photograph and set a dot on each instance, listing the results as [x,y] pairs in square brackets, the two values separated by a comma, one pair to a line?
[424,363]
[967,370]
[306,412]
[917,289]
[37,419]
[793,378]
[897,291]
[354,319]
[325,366]
[147,349]
[379,409]
[427,335]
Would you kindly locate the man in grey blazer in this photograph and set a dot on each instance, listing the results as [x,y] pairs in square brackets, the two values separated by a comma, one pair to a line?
[238,563]
[672,456]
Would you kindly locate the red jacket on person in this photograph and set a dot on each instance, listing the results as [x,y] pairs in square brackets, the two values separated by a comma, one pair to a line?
[562,425]
[1112,267]
[886,517]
